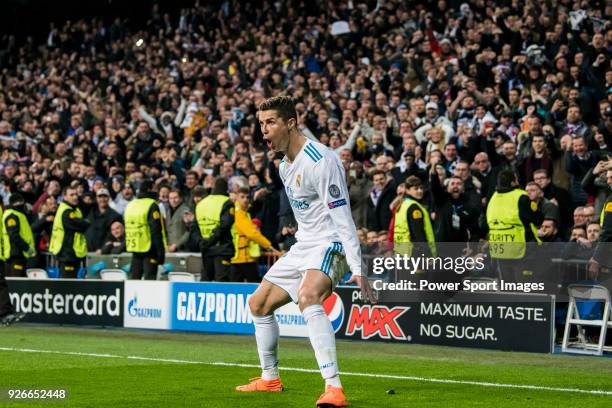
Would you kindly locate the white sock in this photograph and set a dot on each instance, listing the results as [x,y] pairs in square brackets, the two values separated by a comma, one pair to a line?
[266,334]
[323,342]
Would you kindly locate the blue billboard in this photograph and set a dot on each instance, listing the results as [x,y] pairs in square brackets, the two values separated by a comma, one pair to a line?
[212,307]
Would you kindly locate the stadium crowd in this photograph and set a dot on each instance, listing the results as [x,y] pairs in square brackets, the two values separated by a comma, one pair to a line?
[452,92]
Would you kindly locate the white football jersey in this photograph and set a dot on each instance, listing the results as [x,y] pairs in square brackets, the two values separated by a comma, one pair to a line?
[315,184]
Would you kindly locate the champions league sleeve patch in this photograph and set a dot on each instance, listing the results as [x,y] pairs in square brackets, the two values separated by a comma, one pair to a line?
[336,204]
[334,191]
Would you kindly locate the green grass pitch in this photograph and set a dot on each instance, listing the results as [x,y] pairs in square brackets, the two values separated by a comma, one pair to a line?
[118,381]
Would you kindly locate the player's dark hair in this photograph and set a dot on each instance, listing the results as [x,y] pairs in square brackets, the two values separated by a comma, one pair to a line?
[244,190]
[282,104]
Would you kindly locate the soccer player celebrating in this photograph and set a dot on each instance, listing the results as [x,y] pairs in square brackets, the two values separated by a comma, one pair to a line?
[315,184]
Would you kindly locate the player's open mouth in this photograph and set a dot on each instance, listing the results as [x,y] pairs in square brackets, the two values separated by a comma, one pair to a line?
[269,143]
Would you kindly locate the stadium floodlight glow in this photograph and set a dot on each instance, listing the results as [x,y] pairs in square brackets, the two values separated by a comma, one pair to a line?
[184,59]
[139,42]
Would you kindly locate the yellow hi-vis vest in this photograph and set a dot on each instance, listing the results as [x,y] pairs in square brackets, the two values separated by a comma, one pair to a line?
[24,231]
[402,243]
[253,248]
[208,213]
[2,258]
[137,230]
[57,234]
[607,207]
[506,230]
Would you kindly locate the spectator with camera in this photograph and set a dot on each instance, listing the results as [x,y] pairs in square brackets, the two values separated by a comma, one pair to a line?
[116,242]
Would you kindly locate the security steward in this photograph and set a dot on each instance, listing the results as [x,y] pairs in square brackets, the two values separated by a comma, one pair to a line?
[17,237]
[6,308]
[513,221]
[67,237]
[215,217]
[413,228]
[248,241]
[145,236]
[7,312]
[602,256]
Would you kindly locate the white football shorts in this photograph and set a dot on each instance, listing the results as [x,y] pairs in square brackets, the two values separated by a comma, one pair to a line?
[288,272]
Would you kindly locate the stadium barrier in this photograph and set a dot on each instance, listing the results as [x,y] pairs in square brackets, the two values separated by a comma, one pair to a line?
[502,321]
[175,262]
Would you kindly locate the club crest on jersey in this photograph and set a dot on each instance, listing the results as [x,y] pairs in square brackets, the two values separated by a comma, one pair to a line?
[298,180]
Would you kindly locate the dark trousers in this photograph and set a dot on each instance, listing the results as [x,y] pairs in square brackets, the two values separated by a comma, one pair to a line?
[143,265]
[15,267]
[245,271]
[69,270]
[5,301]
[216,268]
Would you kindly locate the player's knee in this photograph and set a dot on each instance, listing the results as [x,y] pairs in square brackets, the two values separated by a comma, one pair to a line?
[308,297]
[257,306]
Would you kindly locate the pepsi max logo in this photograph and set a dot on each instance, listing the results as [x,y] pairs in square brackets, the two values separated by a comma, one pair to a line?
[334,309]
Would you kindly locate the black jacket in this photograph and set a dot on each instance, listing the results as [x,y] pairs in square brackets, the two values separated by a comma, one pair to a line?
[110,248]
[195,238]
[99,229]
[602,253]
[488,183]
[379,215]
[464,207]
[566,207]
[41,227]
[143,150]
[414,170]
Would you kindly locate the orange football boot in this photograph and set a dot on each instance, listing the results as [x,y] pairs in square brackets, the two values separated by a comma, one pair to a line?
[259,384]
[332,397]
